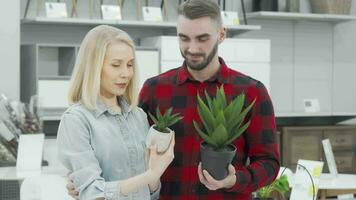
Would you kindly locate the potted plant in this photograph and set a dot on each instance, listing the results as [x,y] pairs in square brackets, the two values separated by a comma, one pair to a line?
[159,133]
[277,188]
[223,123]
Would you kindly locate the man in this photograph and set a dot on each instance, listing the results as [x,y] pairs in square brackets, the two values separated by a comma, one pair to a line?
[200,31]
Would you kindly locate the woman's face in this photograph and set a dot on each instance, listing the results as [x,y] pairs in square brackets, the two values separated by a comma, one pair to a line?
[118,69]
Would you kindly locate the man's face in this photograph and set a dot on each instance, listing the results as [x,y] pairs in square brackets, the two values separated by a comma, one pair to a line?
[198,41]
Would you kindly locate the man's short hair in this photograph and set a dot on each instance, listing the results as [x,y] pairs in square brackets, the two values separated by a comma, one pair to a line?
[193,9]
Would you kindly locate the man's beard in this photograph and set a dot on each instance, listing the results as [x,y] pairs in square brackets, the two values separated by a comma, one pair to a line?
[201,65]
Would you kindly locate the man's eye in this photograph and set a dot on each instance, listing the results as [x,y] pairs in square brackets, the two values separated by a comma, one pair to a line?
[115,65]
[184,39]
[203,39]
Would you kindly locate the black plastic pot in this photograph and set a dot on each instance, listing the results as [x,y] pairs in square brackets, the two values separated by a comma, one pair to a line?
[216,162]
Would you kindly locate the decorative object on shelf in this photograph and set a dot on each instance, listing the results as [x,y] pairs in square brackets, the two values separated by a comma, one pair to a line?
[164,8]
[138,9]
[265,5]
[20,118]
[112,12]
[244,11]
[38,6]
[16,118]
[293,5]
[74,12]
[56,9]
[223,123]
[228,17]
[26,8]
[153,14]
[279,187]
[160,133]
[331,6]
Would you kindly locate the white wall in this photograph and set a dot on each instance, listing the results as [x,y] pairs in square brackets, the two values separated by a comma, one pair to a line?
[10,48]
[345,58]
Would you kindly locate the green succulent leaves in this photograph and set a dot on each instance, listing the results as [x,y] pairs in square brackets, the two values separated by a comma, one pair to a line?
[162,122]
[280,185]
[222,122]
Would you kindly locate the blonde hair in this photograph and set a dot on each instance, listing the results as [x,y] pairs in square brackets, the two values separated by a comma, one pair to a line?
[86,76]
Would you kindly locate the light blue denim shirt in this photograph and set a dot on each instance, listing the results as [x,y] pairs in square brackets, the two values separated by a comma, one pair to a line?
[103,147]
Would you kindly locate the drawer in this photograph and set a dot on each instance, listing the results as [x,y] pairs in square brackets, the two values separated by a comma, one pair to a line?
[300,143]
[305,147]
[245,50]
[53,93]
[170,49]
[340,138]
[168,45]
[260,71]
[344,161]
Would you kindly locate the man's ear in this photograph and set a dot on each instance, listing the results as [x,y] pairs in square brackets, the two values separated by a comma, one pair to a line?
[222,34]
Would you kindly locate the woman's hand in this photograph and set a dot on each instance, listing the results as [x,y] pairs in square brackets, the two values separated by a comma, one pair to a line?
[158,162]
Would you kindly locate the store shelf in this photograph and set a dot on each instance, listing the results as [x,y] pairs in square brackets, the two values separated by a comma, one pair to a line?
[300,16]
[232,30]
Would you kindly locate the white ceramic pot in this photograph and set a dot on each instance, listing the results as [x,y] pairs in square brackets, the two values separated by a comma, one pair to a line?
[161,139]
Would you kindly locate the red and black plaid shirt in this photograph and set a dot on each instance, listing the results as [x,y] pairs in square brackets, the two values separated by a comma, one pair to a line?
[178,89]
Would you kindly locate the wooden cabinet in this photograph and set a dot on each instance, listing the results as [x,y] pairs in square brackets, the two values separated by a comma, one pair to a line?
[305,143]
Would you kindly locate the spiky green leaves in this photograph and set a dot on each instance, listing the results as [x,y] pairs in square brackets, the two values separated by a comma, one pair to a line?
[222,122]
[280,185]
[162,122]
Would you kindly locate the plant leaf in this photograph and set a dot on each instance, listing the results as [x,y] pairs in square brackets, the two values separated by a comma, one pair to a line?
[206,116]
[221,95]
[205,137]
[237,134]
[220,136]
[209,100]
[153,118]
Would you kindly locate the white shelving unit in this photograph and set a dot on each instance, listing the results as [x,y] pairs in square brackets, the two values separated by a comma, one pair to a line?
[300,16]
[232,30]
[303,62]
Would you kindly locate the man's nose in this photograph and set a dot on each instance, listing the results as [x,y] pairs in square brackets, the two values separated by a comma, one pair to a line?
[193,47]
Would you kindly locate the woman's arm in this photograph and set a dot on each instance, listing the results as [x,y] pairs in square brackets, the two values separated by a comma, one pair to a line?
[157,164]
[76,153]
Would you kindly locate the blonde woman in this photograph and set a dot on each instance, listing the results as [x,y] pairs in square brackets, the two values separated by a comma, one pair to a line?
[101,137]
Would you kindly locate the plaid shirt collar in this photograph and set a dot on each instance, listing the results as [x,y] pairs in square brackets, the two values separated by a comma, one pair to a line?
[222,76]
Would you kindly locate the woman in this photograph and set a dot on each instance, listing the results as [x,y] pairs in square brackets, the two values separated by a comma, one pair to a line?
[101,137]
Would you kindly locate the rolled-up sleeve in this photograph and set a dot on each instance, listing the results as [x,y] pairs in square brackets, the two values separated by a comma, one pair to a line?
[77,154]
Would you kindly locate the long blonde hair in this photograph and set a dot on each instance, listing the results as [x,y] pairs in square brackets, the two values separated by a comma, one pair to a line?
[85,80]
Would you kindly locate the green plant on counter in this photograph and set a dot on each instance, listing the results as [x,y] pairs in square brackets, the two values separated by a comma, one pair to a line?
[280,185]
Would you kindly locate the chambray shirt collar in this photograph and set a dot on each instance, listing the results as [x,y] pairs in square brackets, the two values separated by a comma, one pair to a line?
[222,76]
[102,108]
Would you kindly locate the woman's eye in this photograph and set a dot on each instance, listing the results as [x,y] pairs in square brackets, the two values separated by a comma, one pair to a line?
[115,65]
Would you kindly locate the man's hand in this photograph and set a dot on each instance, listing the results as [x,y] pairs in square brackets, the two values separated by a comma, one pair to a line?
[71,190]
[212,184]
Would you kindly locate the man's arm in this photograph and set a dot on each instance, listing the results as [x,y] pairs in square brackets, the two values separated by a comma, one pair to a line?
[261,140]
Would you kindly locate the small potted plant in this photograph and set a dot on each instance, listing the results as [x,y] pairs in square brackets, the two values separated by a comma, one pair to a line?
[277,188]
[223,123]
[159,133]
